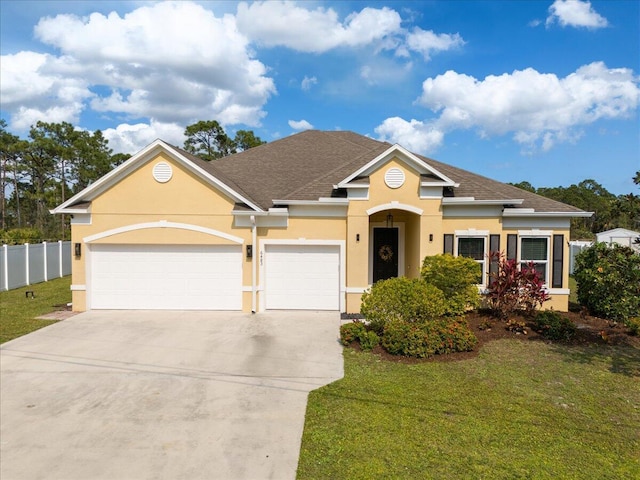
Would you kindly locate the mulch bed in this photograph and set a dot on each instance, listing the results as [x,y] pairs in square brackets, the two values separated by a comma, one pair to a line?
[590,331]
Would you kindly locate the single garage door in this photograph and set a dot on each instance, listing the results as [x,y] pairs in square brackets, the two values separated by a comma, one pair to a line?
[302,277]
[166,277]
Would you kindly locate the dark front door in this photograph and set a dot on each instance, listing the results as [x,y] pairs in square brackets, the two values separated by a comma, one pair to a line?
[385,253]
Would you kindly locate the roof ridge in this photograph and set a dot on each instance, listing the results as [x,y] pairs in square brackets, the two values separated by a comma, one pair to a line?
[351,132]
[330,172]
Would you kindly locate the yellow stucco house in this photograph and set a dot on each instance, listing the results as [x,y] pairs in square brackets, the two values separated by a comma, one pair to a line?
[306,222]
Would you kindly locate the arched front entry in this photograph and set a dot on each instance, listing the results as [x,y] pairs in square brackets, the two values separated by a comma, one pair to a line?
[394,244]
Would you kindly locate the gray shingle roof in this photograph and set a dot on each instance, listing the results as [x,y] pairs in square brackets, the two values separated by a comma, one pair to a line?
[307,165]
[483,188]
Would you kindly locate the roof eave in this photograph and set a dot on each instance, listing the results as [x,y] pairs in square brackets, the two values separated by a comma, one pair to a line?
[452,201]
[323,201]
[351,185]
[70,211]
[272,212]
[440,184]
[527,212]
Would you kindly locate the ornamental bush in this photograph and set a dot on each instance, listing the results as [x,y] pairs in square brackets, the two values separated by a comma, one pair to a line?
[357,331]
[350,332]
[608,279]
[515,288]
[409,300]
[423,340]
[369,341]
[554,326]
[457,277]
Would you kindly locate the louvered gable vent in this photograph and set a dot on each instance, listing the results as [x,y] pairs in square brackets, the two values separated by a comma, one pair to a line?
[394,178]
[162,172]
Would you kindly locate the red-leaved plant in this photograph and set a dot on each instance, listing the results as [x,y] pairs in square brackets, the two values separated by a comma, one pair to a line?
[513,288]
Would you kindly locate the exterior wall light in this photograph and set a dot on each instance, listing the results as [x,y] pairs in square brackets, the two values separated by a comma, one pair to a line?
[78,249]
[389,221]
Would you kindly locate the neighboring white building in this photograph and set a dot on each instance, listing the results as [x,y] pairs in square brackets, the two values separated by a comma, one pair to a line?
[621,236]
[575,247]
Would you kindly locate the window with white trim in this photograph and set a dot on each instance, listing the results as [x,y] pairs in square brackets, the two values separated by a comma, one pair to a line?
[536,250]
[474,248]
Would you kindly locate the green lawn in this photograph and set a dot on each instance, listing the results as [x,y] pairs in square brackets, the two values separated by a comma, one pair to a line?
[573,296]
[518,410]
[18,314]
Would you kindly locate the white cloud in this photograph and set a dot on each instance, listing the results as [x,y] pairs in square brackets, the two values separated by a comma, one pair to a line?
[281,23]
[534,106]
[172,61]
[575,13]
[308,82]
[288,24]
[177,62]
[417,136]
[23,118]
[300,125]
[545,141]
[426,42]
[36,86]
[126,138]
[21,78]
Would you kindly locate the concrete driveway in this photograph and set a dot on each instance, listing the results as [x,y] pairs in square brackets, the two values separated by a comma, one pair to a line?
[155,395]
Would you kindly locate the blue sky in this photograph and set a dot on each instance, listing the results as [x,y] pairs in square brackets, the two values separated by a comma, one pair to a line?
[542,91]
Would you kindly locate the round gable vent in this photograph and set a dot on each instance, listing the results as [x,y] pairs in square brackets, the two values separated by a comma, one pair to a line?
[162,172]
[394,178]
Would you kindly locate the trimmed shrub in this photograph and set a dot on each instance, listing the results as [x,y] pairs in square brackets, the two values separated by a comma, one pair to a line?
[608,279]
[457,277]
[409,300]
[456,336]
[350,332]
[554,326]
[514,288]
[369,340]
[408,339]
[357,331]
[423,340]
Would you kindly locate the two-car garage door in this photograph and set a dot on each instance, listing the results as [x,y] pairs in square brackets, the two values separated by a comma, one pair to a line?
[166,277]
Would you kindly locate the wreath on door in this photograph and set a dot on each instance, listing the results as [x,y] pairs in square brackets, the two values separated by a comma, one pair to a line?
[385,253]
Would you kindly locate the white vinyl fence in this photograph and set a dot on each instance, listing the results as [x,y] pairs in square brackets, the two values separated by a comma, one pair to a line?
[575,247]
[27,264]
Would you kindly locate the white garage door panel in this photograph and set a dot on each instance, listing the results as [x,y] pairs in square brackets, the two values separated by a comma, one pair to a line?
[160,277]
[302,277]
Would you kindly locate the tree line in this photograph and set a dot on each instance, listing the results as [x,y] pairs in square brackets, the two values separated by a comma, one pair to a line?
[57,160]
[53,163]
[610,211]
